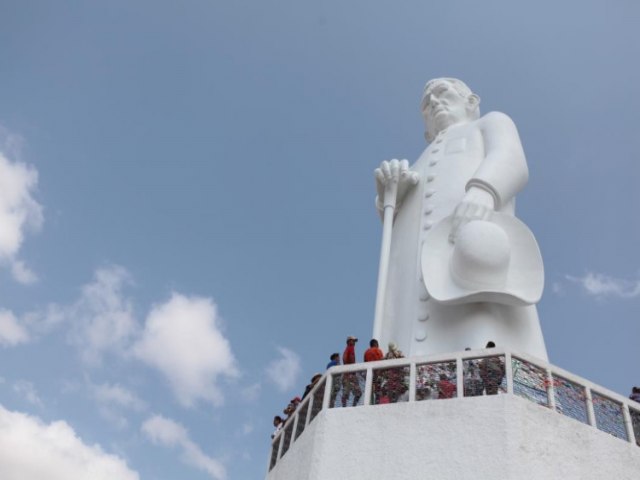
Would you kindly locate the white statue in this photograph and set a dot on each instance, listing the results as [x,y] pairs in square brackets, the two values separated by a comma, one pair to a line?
[457,268]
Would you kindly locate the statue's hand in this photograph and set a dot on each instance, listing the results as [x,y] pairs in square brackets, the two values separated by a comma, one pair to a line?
[477,204]
[394,171]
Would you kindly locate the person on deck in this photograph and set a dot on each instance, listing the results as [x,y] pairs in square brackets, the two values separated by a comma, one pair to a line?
[350,380]
[373,353]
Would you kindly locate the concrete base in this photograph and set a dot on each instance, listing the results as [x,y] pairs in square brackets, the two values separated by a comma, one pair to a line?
[502,436]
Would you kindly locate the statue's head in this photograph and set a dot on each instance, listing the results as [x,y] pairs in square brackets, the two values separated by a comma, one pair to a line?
[447,101]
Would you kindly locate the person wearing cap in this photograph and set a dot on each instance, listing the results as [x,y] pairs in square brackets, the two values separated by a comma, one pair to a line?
[463,269]
[350,380]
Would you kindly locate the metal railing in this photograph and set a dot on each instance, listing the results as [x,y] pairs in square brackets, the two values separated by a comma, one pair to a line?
[463,374]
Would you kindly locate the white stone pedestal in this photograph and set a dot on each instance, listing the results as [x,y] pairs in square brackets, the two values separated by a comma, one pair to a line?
[502,436]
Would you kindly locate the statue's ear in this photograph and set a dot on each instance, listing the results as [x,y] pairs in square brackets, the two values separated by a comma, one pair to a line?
[473,101]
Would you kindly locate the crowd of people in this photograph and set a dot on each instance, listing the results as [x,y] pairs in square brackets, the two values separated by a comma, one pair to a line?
[481,377]
[391,385]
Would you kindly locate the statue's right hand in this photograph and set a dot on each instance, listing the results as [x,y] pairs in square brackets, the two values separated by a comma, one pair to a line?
[394,171]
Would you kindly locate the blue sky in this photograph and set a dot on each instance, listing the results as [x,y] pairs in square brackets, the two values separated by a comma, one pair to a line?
[187,206]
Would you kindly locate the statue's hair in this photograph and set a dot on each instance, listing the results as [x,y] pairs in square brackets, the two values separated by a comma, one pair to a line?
[459,86]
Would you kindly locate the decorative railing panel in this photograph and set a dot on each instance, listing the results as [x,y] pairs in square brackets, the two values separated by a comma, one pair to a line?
[348,389]
[318,398]
[530,381]
[288,436]
[436,380]
[468,374]
[390,385]
[635,424]
[274,454]
[570,399]
[609,416]
[302,418]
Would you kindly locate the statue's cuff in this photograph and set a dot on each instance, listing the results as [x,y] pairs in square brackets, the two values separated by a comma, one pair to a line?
[479,183]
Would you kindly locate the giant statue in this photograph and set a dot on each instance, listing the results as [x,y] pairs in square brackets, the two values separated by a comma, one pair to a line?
[457,268]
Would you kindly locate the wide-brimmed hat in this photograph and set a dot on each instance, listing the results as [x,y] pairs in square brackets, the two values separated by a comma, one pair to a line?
[495,260]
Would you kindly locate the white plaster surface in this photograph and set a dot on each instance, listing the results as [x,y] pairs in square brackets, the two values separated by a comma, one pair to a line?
[502,436]
[473,166]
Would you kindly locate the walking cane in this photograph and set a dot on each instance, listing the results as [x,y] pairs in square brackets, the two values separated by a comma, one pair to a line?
[390,180]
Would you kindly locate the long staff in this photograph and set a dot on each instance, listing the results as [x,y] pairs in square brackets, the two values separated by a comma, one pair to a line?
[389,175]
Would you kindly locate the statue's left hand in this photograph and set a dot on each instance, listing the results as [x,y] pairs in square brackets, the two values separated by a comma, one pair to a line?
[477,204]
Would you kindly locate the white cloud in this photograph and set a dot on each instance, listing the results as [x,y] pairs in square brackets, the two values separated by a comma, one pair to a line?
[183,340]
[101,320]
[601,286]
[112,400]
[22,274]
[19,212]
[558,288]
[164,431]
[11,332]
[28,391]
[118,395]
[32,450]
[247,428]
[251,393]
[284,371]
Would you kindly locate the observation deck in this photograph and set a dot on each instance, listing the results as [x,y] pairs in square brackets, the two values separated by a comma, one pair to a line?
[449,417]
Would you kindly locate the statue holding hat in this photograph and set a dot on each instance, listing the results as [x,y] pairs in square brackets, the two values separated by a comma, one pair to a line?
[461,269]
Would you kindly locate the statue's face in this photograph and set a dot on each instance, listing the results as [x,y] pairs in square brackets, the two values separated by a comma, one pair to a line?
[444,106]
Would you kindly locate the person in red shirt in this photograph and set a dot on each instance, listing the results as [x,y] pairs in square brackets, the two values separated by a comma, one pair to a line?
[350,380]
[373,353]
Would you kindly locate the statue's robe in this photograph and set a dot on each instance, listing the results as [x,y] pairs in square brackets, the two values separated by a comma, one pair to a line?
[487,153]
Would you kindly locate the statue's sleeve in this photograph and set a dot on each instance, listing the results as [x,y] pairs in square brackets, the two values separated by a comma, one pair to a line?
[503,172]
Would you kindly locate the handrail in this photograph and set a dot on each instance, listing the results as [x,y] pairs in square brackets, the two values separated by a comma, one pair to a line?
[320,396]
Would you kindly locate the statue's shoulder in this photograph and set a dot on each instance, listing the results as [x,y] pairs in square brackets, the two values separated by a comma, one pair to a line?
[498,123]
[498,118]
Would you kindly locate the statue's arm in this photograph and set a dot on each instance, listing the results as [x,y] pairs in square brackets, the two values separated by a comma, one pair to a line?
[501,175]
[504,172]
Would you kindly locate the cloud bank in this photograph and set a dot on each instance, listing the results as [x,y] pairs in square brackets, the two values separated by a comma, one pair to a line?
[32,450]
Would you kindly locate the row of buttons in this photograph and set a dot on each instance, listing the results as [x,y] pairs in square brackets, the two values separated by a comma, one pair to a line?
[421,327]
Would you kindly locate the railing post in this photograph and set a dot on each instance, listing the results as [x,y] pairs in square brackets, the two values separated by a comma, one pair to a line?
[460,377]
[294,428]
[590,413]
[628,424]
[412,381]
[280,442]
[508,368]
[368,384]
[328,387]
[551,391]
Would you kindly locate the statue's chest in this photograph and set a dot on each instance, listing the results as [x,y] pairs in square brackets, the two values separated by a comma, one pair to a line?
[447,165]
[453,156]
